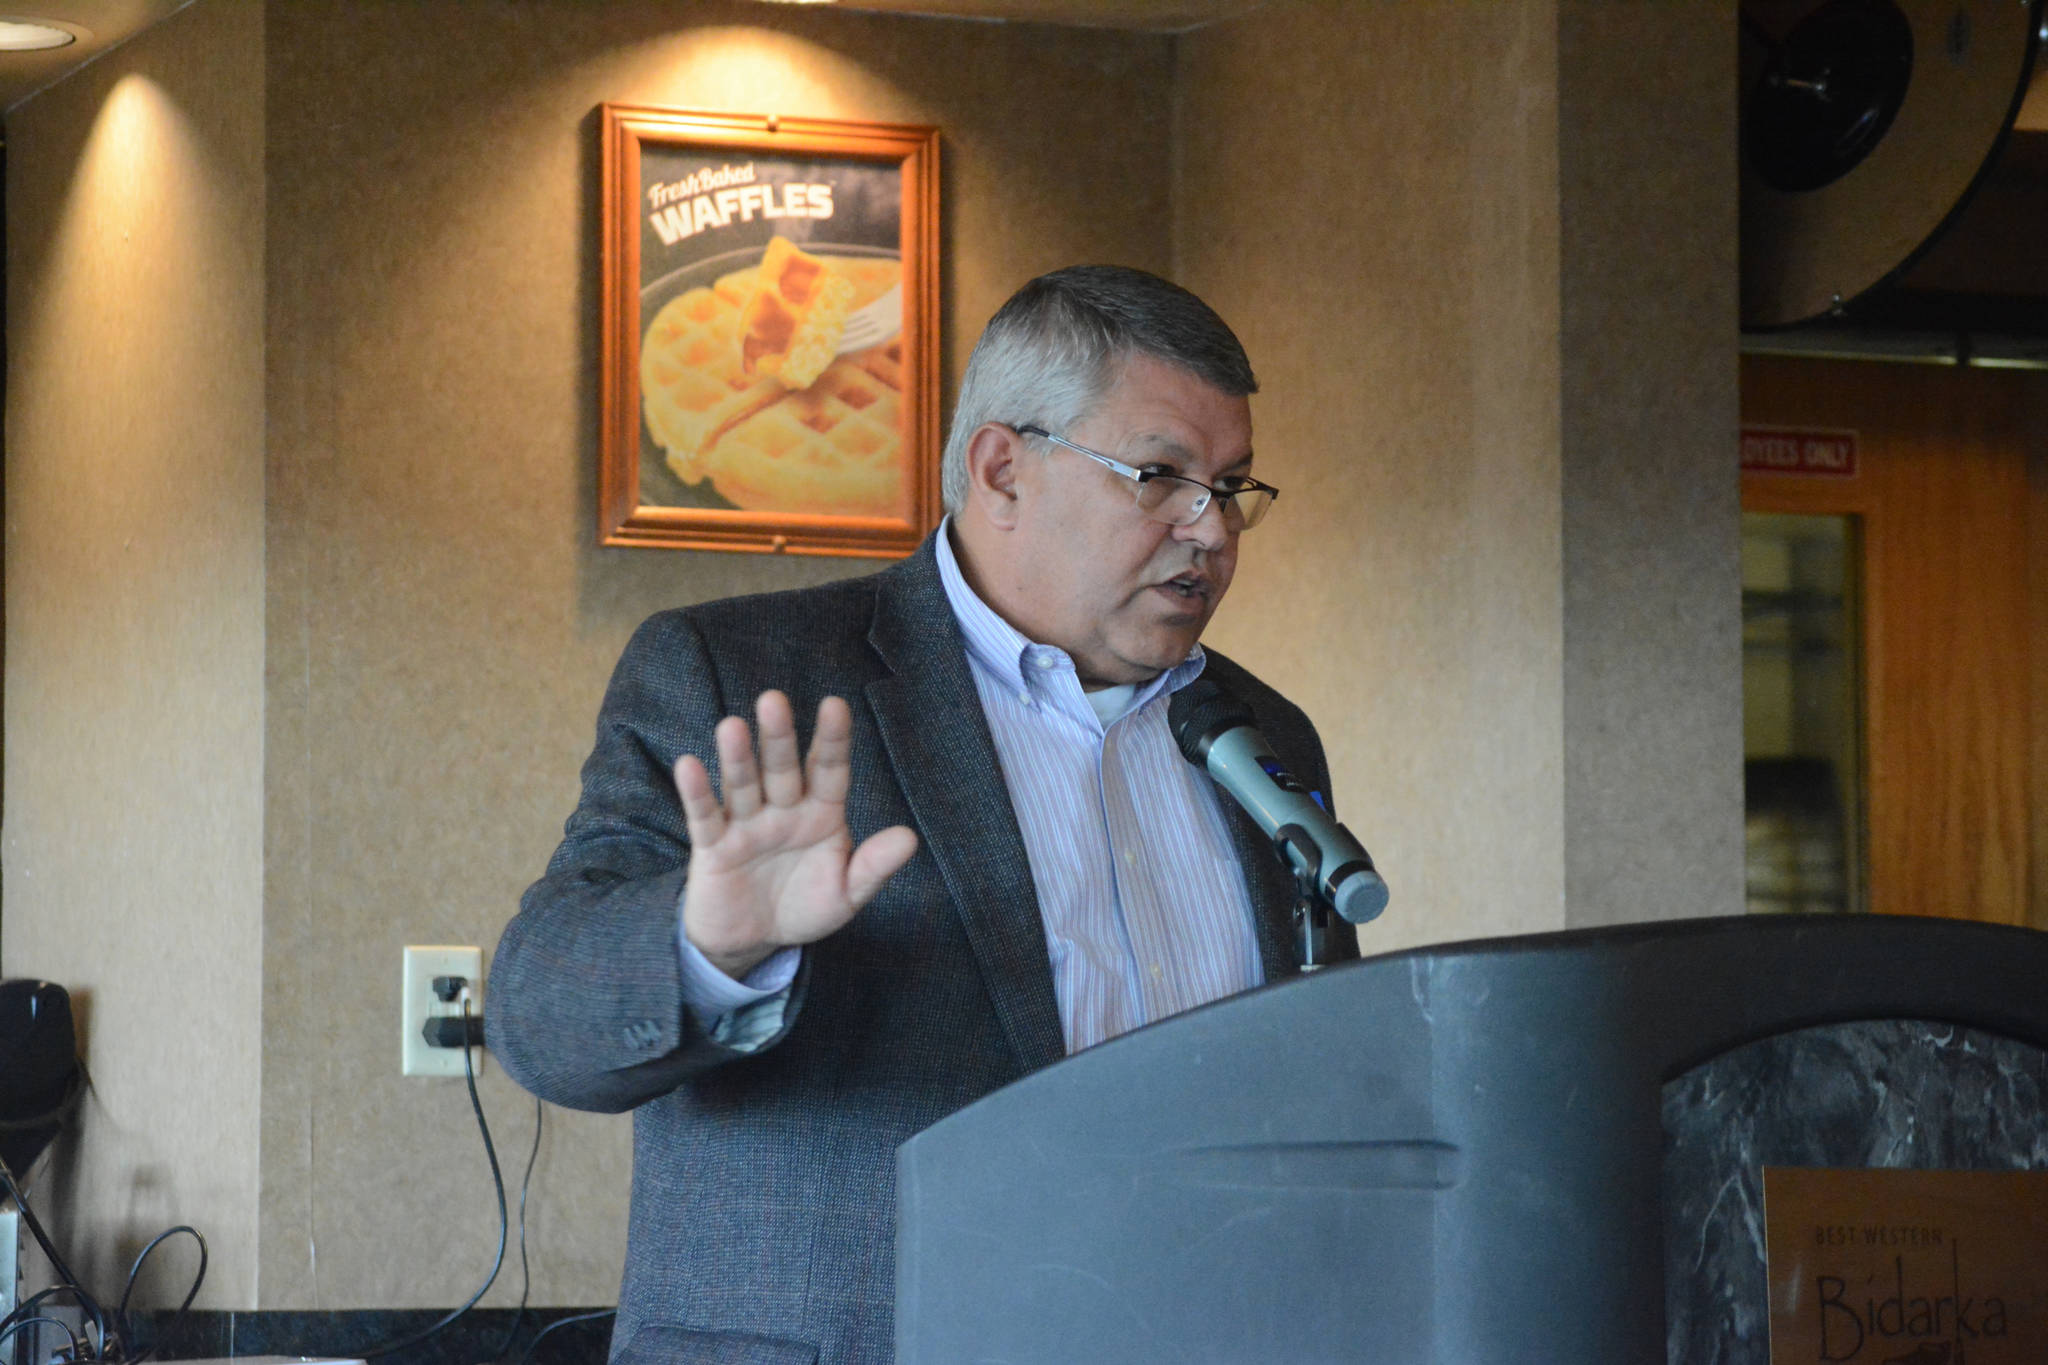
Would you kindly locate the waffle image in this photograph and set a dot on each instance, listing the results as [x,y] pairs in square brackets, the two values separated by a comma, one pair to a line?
[836,447]
[833,447]
[692,384]
[793,323]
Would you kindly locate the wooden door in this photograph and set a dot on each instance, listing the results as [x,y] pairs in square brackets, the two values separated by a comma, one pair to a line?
[1948,491]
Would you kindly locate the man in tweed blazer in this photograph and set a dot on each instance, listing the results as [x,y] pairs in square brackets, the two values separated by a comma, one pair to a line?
[870,844]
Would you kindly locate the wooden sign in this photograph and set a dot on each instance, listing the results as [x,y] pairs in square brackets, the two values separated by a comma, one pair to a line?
[1799,450]
[1889,1267]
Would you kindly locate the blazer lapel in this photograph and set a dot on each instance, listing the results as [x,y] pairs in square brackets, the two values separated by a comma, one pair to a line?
[1271,887]
[938,742]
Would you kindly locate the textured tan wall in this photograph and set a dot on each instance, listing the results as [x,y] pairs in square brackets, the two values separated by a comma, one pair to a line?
[1369,192]
[440,624]
[1372,192]
[1652,518]
[134,688]
[1483,257]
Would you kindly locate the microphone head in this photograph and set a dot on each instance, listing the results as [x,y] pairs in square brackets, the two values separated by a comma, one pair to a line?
[1201,711]
[1361,896]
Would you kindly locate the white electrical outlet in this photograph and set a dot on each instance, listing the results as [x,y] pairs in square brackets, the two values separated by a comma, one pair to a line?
[420,1004]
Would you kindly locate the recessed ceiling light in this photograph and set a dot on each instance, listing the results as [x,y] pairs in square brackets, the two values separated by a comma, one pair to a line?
[35,35]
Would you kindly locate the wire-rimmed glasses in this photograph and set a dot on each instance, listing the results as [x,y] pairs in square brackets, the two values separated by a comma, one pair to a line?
[1177,499]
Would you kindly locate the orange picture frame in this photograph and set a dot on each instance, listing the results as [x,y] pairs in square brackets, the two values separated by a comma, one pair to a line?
[770,335]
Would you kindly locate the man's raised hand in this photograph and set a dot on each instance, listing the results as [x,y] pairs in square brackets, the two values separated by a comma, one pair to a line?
[774,865]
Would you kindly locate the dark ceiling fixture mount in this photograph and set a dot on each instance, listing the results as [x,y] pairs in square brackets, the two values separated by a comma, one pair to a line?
[1828,94]
[1866,128]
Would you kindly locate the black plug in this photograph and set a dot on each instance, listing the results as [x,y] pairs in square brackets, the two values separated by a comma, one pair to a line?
[446,988]
[453,1030]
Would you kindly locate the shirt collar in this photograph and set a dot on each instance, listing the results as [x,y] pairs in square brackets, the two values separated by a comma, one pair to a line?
[1002,649]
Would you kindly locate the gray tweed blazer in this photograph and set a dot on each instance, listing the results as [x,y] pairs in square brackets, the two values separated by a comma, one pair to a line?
[763,1204]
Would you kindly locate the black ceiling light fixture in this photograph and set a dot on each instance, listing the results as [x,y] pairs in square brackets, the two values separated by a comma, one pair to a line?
[1828,94]
[1866,127]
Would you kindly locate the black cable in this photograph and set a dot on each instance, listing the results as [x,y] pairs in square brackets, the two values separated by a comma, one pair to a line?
[35,1300]
[27,1309]
[504,1223]
[542,1334]
[70,1281]
[525,1273]
[35,1226]
[76,1347]
[28,1306]
[121,1313]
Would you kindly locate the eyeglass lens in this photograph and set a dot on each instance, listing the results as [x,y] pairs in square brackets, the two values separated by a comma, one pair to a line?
[1179,502]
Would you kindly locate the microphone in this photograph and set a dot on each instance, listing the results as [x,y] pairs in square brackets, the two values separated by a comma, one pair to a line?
[1216,733]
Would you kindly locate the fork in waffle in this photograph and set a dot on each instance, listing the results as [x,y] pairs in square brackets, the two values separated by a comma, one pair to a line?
[791,326]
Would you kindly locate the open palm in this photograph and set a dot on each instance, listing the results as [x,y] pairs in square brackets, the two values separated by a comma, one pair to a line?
[774,864]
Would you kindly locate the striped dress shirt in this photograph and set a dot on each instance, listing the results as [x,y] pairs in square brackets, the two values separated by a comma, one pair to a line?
[1143,900]
[1144,904]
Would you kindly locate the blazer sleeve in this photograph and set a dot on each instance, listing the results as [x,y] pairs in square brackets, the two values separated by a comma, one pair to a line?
[585,1006]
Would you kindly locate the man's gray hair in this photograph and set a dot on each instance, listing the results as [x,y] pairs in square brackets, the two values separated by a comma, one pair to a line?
[1050,354]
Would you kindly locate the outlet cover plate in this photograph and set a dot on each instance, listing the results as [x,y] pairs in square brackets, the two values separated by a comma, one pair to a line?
[419,1004]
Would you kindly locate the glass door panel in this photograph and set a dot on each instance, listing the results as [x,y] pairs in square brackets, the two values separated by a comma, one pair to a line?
[1802,718]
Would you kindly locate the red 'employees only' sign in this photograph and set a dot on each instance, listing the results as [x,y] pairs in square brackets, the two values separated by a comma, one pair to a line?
[1792,450]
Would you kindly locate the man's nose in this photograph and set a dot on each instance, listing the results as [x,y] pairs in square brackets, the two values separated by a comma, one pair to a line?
[1209,530]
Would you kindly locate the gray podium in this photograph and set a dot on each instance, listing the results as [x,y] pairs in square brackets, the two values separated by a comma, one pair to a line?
[1532,1149]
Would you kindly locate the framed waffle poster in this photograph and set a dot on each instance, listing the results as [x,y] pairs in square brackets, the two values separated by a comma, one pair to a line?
[770,333]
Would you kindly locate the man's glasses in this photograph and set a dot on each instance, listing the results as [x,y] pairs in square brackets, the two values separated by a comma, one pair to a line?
[1176,499]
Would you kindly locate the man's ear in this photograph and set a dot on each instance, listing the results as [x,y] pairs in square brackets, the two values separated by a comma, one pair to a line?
[993,453]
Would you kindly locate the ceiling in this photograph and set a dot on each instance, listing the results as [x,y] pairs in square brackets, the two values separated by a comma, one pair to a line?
[1163,16]
[109,23]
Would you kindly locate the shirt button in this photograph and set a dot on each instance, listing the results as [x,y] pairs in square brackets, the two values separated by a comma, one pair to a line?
[1042,661]
[1024,699]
